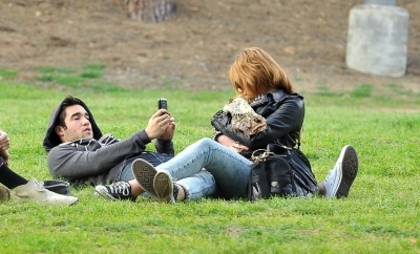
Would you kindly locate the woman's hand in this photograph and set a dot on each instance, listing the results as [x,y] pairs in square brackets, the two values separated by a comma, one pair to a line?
[6,156]
[231,144]
[4,145]
[4,140]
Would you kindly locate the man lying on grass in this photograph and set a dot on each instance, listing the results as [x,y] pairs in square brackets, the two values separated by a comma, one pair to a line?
[80,154]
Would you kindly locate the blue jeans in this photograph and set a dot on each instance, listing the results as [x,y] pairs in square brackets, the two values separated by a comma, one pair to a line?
[152,157]
[229,170]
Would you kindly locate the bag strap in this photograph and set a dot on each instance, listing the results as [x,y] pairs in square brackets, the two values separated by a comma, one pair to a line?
[298,142]
[299,138]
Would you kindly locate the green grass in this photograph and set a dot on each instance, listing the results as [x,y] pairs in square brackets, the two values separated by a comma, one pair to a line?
[88,78]
[381,214]
[362,90]
[92,71]
[7,73]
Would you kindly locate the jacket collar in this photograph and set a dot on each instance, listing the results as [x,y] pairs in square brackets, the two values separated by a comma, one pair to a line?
[277,96]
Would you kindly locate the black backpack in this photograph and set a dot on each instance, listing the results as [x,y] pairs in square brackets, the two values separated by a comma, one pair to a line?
[280,171]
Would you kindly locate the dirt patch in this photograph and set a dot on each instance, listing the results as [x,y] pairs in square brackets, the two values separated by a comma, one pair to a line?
[193,49]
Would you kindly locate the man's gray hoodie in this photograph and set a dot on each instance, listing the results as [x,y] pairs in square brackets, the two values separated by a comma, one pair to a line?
[89,160]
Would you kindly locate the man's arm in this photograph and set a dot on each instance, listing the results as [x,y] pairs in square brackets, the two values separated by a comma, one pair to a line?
[69,162]
[165,146]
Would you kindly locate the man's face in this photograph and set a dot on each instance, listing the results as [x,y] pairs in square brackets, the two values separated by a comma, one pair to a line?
[78,125]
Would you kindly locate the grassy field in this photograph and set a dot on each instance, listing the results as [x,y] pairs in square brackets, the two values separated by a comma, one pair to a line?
[381,214]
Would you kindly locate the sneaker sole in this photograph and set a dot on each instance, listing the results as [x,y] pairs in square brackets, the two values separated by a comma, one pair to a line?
[144,173]
[4,194]
[164,186]
[350,166]
[102,191]
[75,202]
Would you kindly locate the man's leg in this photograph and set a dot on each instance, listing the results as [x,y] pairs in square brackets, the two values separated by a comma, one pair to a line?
[127,187]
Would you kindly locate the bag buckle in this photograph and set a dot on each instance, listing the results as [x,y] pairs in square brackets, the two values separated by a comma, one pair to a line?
[260,157]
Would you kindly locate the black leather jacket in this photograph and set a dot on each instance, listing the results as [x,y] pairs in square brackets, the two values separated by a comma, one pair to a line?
[284,114]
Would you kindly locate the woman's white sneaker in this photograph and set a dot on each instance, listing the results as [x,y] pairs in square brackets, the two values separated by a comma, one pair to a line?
[341,177]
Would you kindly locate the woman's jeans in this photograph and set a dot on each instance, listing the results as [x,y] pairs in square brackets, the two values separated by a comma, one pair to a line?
[228,169]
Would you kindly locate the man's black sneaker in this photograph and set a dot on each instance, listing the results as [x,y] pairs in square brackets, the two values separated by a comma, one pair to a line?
[115,191]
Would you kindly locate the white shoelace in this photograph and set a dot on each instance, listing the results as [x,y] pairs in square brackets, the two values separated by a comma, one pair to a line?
[120,187]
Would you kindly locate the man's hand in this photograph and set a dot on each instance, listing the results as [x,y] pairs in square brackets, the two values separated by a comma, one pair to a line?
[159,123]
[169,132]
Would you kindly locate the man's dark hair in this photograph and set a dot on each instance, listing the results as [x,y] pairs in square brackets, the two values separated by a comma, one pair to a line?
[67,102]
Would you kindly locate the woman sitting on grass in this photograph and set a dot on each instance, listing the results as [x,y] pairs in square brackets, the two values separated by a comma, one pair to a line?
[259,80]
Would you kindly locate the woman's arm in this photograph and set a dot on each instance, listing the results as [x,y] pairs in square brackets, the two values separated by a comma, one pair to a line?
[287,118]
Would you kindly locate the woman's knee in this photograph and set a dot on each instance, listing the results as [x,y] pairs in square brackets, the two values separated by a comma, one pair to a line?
[206,142]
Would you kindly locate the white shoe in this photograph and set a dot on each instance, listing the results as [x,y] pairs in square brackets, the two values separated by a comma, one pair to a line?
[35,191]
[341,177]
[4,194]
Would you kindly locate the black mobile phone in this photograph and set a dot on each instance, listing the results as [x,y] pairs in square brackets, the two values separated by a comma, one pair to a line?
[163,103]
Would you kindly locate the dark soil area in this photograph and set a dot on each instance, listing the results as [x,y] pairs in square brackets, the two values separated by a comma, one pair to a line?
[193,49]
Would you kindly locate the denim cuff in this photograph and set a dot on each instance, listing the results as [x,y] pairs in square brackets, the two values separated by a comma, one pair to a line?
[216,135]
[186,191]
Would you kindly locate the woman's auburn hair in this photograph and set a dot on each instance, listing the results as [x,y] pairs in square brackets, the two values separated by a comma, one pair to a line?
[255,70]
